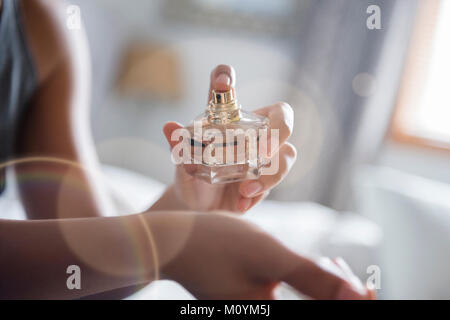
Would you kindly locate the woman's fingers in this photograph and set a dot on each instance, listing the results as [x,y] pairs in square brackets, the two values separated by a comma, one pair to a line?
[244,204]
[281,118]
[223,78]
[173,139]
[323,281]
[253,191]
[340,262]
[254,188]
[350,276]
[168,130]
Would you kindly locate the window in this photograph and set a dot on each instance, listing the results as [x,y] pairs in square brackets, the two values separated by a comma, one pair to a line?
[422,116]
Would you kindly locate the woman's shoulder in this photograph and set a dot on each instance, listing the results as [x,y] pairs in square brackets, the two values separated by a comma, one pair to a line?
[50,39]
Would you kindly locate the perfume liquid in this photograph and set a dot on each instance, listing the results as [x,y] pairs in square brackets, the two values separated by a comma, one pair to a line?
[227,143]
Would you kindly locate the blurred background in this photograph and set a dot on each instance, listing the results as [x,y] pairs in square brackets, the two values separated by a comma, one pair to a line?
[368,83]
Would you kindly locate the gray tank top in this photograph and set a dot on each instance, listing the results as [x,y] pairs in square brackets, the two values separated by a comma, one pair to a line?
[18,79]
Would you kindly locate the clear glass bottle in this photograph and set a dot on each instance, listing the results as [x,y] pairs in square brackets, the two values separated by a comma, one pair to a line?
[225,141]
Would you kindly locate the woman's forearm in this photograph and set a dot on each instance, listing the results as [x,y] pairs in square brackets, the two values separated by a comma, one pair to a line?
[110,252]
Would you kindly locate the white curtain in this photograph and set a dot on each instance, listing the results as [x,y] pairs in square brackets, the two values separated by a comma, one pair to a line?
[346,84]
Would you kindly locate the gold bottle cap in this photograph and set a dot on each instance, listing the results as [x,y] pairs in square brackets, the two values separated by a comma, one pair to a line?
[223,107]
[223,97]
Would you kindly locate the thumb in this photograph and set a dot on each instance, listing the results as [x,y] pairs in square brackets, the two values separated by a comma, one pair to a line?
[168,129]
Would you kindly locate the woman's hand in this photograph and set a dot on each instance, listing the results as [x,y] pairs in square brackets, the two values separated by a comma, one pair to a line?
[219,256]
[194,194]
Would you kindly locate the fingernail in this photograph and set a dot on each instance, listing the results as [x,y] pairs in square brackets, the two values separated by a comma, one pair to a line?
[244,204]
[253,188]
[223,79]
[347,292]
[344,266]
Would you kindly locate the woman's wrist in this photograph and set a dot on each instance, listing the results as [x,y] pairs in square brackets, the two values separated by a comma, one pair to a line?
[169,201]
[169,232]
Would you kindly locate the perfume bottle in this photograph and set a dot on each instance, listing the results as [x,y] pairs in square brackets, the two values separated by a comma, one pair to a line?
[227,144]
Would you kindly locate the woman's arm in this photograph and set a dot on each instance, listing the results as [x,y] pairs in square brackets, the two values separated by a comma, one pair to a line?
[215,256]
[56,124]
[58,178]
[112,253]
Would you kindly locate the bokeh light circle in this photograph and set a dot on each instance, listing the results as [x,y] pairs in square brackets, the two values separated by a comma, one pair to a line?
[69,236]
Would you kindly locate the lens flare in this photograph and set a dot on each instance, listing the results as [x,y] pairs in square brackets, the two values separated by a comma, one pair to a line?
[139,250]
